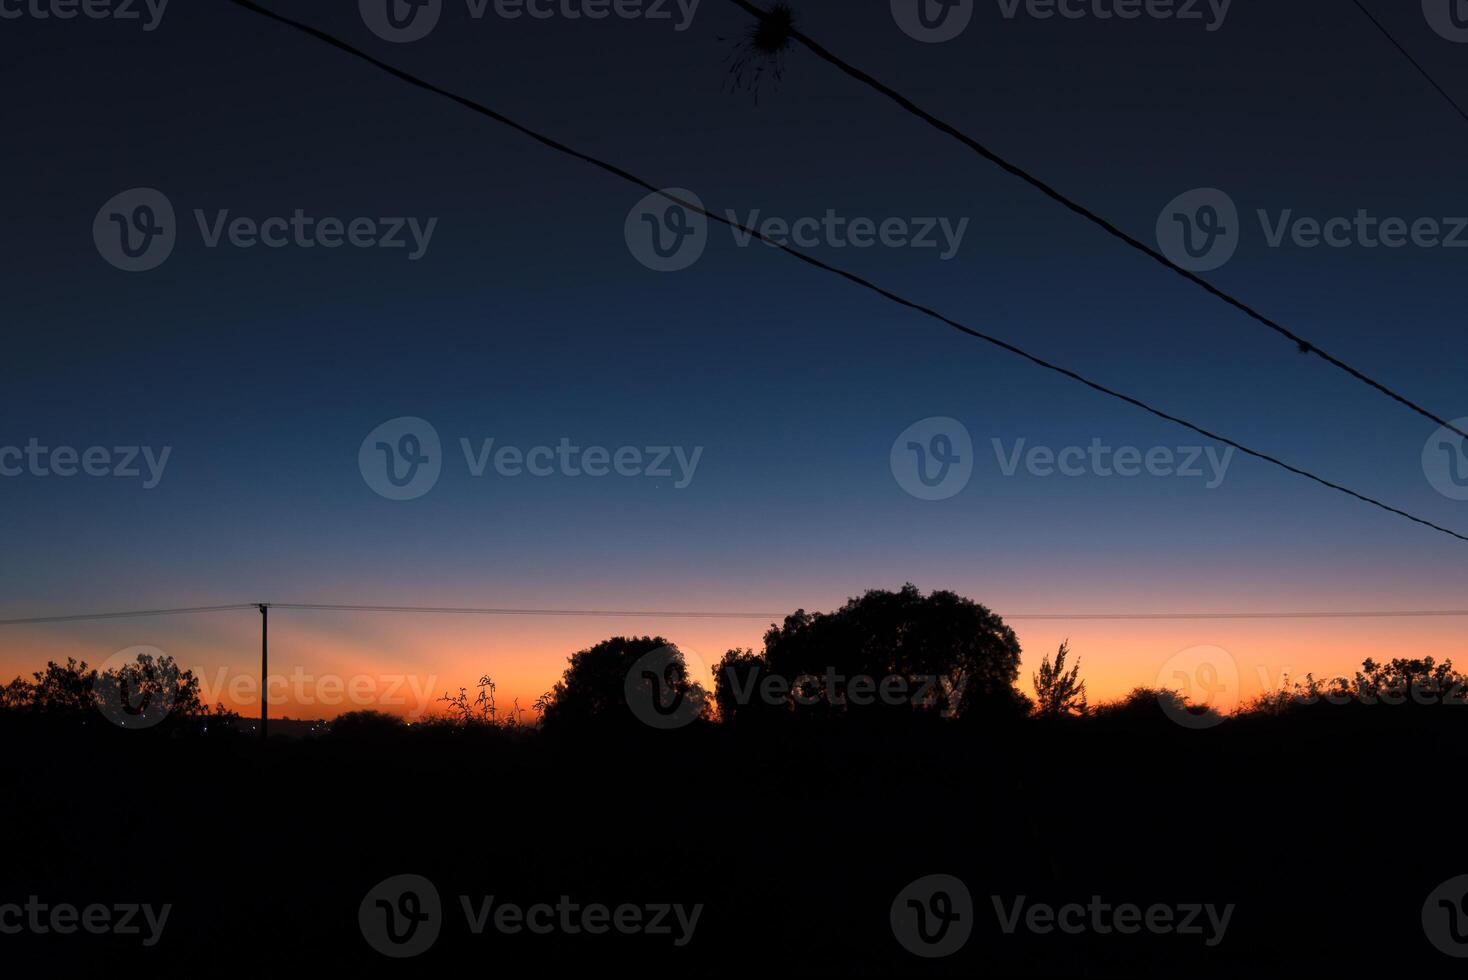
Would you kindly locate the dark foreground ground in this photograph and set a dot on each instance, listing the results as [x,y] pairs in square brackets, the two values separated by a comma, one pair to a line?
[1327,835]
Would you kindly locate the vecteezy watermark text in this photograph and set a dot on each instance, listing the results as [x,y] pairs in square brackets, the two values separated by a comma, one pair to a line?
[858,690]
[402,459]
[403,916]
[64,919]
[1103,918]
[306,690]
[666,236]
[836,231]
[403,21]
[137,230]
[933,459]
[566,458]
[306,231]
[1210,13]
[149,13]
[935,21]
[1201,230]
[124,462]
[570,918]
[1099,459]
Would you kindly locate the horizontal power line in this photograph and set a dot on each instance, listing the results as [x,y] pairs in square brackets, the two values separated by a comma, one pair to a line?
[78,617]
[502,611]
[1075,207]
[726,614]
[1353,614]
[689,614]
[811,260]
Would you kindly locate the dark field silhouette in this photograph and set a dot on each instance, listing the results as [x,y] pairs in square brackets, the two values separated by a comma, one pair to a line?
[746,833]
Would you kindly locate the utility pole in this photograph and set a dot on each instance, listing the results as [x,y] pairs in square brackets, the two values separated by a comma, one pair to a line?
[264,666]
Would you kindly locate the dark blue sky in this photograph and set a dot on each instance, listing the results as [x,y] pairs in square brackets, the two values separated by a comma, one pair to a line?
[528,320]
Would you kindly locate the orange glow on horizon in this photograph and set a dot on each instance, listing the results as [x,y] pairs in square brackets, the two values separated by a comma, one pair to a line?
[324,664]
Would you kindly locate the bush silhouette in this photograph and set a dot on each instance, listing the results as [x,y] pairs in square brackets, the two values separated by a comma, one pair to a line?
[367,724]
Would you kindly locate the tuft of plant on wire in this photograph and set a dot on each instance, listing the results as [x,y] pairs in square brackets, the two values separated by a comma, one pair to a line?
[758,56]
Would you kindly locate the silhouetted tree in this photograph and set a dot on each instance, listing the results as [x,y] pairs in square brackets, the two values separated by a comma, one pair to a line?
[64,689]
[736,683]
[1407,680]
[593,688]
[1059,691]
[956,657]
[17,694]
[1400,681]
[150,689]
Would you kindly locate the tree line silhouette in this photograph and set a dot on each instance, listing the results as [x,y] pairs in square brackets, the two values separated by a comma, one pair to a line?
[794,800]
[887,657]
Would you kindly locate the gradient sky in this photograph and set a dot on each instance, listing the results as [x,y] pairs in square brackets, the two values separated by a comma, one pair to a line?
[528,320]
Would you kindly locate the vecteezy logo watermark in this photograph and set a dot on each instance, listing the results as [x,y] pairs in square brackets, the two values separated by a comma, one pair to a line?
[858,690]
[664,235]
[659,688]
[1448,17]
[134,688]
[1198,687]
[1101,460]
[148,12]
[136,231]
[401,21]
[1445,461]
[565,458]
[122,462]
[1200,230]
[932,21]
[63,919]
[933,916]
[933,458]
[401,459]
[1211,13]
[1445,917]
[300,689]
[401,916]
[835,231]
[1103,918]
